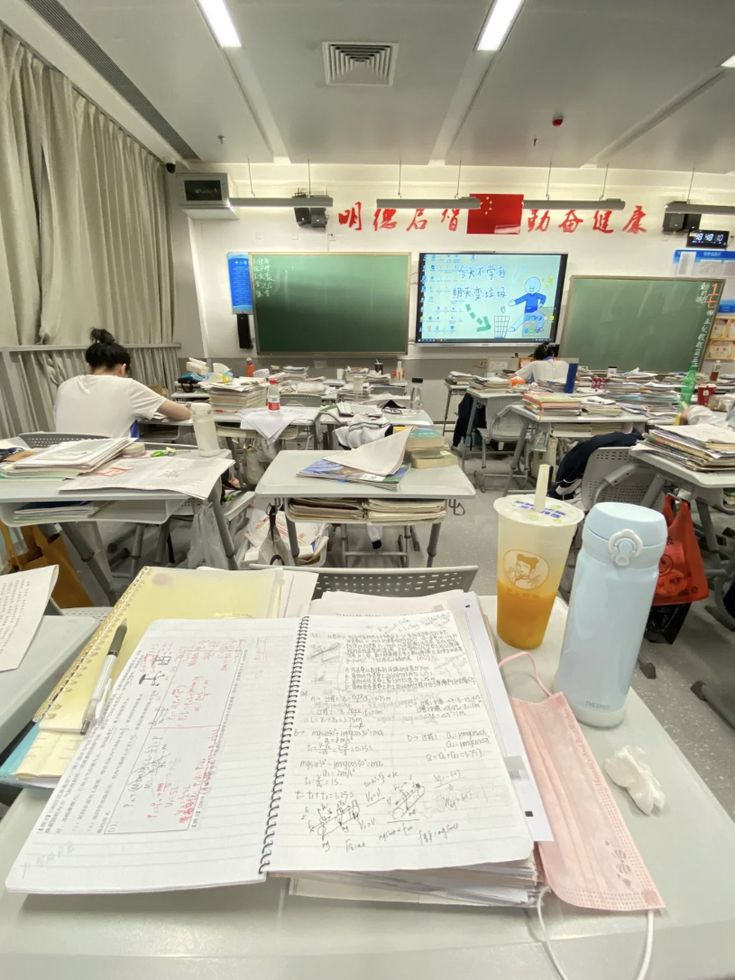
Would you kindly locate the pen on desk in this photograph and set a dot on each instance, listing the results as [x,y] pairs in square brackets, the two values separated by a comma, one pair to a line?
[102,687]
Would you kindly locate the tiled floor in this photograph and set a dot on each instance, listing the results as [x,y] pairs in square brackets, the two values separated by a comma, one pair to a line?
[704,650]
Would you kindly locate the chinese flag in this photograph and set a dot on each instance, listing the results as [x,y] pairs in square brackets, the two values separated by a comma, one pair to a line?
[500,214]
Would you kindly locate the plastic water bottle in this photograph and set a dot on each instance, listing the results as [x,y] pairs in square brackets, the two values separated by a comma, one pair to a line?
[415,401]
[205,431]
[614,583]
[273,398]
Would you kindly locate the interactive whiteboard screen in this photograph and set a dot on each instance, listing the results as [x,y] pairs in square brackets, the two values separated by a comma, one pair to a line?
[488,297]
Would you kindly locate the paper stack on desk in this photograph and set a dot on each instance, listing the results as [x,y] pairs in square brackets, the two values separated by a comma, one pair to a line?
[238,394]
[66,459]
[699,447]
[551,403]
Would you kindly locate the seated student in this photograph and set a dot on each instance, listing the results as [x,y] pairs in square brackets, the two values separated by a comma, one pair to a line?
[545,366]
[107,402]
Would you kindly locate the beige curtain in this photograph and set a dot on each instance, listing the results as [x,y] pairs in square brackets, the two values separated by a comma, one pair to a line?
[83,221]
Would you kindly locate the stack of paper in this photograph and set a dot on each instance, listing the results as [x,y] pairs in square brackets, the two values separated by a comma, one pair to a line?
[65,459]
[699,447]
[59,510]
[238,394]
[551,403]
[379,462]
[189,474]
[378,511]
[23,600]
[595,405]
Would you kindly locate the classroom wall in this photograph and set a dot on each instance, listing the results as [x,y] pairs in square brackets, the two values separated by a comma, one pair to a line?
[589,251]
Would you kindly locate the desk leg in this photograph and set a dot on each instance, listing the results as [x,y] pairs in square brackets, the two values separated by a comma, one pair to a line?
[518,452]
[224,531]
[467,442]
[87,556]
[446,410]
[658,482]
[293,541]
[433,544]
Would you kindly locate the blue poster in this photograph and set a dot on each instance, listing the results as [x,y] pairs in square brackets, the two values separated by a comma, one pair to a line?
[241,293]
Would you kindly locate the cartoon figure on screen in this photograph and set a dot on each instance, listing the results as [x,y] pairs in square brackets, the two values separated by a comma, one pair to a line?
[531,322]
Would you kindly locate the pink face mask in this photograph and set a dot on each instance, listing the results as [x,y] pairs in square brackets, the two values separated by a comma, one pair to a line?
[592,862]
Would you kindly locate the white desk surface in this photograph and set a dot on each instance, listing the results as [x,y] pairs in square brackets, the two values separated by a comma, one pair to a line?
[627,418]
[259,931]
[58,640]
[44,491]
[281,479]
[704,481]
[488,394]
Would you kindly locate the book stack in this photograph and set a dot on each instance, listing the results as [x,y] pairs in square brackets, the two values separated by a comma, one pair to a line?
[326,469]
[238,394]
[427,449]
[601,407]
[65,460]
[379,511]
[707,448]
[551,403]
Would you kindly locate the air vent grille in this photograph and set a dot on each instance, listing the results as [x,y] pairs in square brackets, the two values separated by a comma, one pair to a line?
[59,18]
[351,63]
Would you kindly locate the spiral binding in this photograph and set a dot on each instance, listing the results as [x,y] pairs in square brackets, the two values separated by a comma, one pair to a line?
[285,743]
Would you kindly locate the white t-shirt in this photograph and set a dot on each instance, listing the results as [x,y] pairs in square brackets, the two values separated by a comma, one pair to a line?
[103,405]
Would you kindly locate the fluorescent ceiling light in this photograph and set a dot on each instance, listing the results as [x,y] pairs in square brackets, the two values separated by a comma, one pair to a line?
[450,203]
[498,23]
[606,204]
[315,201]
[730,63]
[684,207]
[219,19]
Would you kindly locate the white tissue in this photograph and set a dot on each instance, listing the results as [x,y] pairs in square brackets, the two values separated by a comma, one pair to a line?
[629,769]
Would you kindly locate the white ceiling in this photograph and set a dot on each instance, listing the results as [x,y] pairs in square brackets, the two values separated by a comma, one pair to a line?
[638,81]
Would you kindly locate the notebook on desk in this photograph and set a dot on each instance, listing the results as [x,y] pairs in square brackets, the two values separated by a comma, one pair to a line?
[156,593]
[241,748]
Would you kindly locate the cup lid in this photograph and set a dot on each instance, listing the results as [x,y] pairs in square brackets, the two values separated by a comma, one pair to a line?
[611,517]
[556,513]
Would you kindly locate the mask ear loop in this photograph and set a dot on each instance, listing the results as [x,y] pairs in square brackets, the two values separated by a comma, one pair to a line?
[525,653]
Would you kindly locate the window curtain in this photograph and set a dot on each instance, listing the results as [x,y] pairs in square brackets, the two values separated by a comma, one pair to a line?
[84,238]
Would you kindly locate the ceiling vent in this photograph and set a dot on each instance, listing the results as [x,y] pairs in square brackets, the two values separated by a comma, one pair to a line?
[352,63]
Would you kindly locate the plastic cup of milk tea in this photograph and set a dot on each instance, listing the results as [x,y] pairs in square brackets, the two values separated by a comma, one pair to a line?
[533,547]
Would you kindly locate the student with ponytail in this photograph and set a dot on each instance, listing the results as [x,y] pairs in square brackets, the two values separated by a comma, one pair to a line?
[106,401]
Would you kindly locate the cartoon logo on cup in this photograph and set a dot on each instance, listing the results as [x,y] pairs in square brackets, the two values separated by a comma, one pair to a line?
[525,571]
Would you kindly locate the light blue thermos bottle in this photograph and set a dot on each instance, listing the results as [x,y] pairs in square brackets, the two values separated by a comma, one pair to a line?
[614,582]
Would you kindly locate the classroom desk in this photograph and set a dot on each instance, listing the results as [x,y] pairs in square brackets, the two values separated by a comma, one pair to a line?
[486,398]
[260,931]
[281,482]
[556,427]
[453,388]
[122,506]
[56,643]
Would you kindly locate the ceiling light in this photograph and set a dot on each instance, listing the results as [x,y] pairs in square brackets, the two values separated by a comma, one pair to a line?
[730,63]
[303,201]
[456,203]
[498,24]
[684,207]
[605,204]
[219,19]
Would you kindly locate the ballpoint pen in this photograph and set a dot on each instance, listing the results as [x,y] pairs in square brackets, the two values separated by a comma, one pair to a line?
[102,687]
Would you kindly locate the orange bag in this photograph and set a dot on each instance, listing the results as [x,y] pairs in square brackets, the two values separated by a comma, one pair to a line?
[681,575]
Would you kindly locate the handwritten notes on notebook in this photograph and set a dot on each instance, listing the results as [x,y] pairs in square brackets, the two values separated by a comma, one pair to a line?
[172,788]
[392,762]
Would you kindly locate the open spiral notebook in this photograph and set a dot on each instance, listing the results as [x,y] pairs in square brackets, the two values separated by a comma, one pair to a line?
[236,748]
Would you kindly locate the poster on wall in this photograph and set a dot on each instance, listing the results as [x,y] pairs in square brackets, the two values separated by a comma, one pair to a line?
[486,297]
[241,293]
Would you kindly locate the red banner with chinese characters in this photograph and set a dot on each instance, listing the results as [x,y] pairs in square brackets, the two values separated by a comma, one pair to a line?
[499,214]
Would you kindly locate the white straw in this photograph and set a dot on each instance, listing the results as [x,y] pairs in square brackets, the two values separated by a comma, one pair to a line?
[542,484]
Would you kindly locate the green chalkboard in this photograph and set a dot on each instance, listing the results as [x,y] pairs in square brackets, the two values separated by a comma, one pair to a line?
[627,321]
[327,303]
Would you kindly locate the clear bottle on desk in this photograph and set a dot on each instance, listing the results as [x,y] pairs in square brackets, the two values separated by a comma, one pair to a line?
[715,372]
[273,398]
[415,401]
[205,432]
